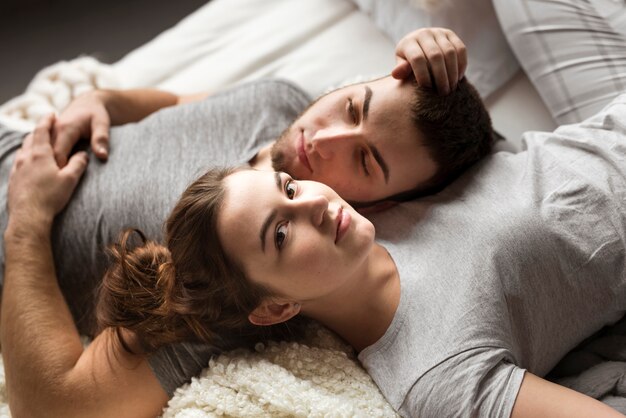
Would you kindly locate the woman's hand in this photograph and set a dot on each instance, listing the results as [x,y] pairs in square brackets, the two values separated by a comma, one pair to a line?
[38,188]
[85,117]
[431,53]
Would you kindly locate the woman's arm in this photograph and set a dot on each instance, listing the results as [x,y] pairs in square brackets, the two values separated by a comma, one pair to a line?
[540,398]
[48,373]
[92,114]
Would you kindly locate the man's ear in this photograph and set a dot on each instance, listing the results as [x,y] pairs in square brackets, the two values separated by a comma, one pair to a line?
[377,207]
[270,312]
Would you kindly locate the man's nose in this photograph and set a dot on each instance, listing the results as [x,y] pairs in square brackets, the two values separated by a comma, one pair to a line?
[328,141]
[313,206]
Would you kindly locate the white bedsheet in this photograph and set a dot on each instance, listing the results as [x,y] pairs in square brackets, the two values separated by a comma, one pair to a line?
[315,43]
[318,44]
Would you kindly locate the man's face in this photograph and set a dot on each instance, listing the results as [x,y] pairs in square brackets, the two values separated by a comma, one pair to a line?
[360,140]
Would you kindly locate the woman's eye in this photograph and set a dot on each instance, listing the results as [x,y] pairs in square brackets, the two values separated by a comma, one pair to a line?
[290,189]
[364,162]
[352,111]
[281,234]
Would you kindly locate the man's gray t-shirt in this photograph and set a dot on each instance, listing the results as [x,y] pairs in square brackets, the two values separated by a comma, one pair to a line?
[150,164]
[506,270]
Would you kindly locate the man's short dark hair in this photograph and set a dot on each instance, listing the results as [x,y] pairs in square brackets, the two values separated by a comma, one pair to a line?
[456,129]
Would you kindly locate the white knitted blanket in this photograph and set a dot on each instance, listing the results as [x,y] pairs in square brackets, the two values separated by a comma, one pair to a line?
[52,89]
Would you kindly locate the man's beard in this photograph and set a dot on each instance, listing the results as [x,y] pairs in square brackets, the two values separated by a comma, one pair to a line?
[277,152]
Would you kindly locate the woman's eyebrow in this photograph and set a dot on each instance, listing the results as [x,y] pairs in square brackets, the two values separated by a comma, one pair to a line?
[270,218]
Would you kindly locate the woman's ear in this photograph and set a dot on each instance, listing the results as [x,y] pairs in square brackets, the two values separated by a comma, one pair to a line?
[270,312]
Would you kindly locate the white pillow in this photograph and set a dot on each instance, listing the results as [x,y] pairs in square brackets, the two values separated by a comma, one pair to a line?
[491,61]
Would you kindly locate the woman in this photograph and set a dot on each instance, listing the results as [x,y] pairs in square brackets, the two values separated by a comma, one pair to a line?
[268,249]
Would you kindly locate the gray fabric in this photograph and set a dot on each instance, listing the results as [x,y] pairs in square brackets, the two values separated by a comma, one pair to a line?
[150,164]
[10,141]
[506,270]
[597,367]
[573,51]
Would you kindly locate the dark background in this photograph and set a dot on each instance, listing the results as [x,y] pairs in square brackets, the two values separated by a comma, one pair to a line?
[37,33]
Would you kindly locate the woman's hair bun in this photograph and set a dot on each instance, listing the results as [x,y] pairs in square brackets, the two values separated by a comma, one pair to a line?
[136,290]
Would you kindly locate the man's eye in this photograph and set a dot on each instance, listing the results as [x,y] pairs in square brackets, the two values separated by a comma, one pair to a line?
[290,189]
[352,111]
[281,234]
[364,162]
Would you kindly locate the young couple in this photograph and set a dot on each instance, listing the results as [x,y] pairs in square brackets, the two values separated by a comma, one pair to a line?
[452,308]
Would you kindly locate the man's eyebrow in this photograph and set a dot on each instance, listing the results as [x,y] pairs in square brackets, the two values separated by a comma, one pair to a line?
[379,159]
[270,218]
[366,102]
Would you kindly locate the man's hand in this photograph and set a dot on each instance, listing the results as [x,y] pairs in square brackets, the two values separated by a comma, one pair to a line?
[435,53]
[38,188]
[85,117]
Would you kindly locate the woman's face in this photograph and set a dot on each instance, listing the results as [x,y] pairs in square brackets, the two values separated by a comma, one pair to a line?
[297,238]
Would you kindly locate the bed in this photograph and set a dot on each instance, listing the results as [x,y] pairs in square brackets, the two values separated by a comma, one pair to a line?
[318,44]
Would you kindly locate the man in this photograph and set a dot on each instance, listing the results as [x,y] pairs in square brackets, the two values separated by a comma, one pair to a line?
[369,141]
[360,139]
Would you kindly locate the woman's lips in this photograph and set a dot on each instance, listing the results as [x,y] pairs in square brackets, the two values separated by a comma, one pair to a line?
[302,153]
[343,223]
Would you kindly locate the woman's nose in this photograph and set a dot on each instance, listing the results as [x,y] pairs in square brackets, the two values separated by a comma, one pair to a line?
[313,206]
[329,141]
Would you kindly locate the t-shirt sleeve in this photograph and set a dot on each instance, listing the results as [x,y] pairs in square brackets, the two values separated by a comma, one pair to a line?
[480,382]
[176,364]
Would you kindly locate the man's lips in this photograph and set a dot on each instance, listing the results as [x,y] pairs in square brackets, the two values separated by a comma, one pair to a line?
[304,159]
[343,223]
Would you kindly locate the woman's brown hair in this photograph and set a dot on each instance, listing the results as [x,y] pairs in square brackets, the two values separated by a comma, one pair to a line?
[188,290]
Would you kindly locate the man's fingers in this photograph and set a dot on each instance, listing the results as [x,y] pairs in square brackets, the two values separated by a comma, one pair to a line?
[41,134]
[461,52]
[437,63]
[28,141]
[65,139]
[76,166]
[100,138]
[413,53]
[450,59]
[17,162]
[402,69]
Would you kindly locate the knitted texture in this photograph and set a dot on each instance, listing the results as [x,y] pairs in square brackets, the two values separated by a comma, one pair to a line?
[52,89]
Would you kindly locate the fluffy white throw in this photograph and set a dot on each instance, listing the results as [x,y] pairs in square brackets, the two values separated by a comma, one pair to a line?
[318,379]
